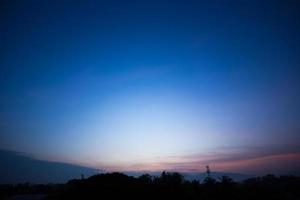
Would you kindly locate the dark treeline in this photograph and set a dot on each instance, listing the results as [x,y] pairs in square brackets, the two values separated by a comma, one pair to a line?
[165,186]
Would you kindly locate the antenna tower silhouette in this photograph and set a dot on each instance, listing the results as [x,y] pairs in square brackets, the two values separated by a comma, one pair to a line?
[207,171]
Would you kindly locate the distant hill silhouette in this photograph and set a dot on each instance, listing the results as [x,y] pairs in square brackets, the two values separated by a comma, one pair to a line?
[17,168]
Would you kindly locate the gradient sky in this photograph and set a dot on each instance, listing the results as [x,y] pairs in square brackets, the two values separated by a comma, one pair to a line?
[152,85]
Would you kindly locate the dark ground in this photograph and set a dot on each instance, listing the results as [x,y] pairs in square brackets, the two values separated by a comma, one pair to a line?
[165,186]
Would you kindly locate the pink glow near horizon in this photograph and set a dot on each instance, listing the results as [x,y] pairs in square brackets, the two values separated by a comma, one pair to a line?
[272,163]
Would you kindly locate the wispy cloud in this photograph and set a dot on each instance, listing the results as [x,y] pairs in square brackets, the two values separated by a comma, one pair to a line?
[255,161]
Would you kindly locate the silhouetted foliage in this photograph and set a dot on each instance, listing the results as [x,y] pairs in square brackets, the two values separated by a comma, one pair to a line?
[208,181]
[226,180]
[146,179]
[166,186]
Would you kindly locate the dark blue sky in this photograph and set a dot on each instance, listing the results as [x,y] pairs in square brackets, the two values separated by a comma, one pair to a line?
[133,85]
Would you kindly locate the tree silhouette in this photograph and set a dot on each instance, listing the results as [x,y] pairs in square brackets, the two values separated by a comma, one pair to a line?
[166,186]
[146,178]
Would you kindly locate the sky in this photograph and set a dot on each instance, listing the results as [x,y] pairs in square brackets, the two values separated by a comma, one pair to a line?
[152,85]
